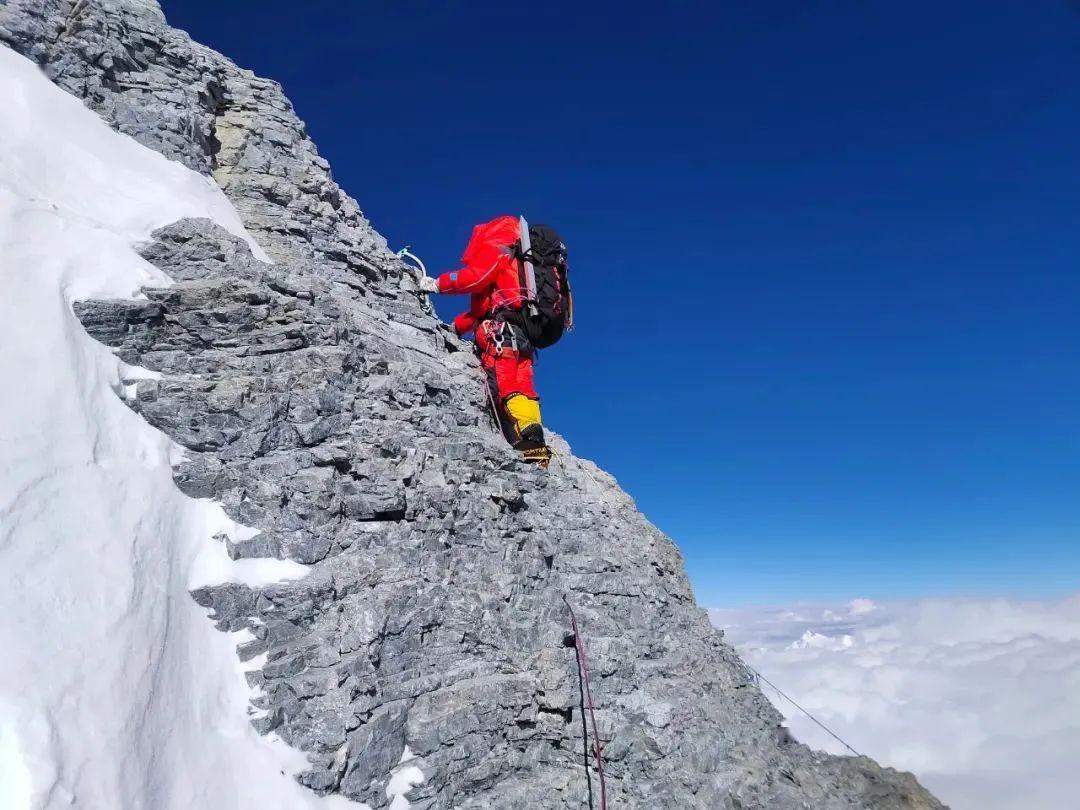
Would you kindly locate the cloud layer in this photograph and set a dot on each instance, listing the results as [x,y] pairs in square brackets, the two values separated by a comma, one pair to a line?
[980,698]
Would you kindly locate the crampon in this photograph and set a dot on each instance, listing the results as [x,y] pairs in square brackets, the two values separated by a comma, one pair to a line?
[540,456]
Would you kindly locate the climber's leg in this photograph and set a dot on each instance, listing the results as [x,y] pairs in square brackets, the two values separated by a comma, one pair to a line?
[523,371]
[492,347]
[518,393]
[508,359]
[525,413]
[523,406]
[491,379]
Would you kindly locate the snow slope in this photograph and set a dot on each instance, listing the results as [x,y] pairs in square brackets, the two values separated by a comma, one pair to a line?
[116,691]
[979,697]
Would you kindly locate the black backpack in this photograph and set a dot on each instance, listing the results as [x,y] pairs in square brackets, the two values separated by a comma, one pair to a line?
[548,308]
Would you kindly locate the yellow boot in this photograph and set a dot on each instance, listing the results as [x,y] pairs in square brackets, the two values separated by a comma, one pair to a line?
[524,414]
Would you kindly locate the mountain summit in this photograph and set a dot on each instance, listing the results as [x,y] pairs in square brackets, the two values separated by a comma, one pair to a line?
[395,576]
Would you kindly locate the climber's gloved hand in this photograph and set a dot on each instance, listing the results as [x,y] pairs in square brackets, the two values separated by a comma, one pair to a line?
[428,284]
[464,323]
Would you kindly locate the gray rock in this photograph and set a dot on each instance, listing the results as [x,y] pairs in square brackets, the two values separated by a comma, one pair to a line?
[193,105]
[320,402]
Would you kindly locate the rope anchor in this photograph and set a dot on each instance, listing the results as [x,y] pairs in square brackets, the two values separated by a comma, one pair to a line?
[405,253]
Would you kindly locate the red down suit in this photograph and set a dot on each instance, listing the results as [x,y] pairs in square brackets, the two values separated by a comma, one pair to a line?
[490,276]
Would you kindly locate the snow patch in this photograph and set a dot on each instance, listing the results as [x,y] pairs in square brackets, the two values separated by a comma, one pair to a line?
[404,778]
[213,566]
[116,691]
[15,775]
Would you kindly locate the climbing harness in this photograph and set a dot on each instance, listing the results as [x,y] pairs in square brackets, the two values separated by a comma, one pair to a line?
[502,336]
[757,679]
[587,702]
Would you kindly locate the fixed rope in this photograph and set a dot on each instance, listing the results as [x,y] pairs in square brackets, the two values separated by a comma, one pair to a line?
[758,676]
[495,412]
[586,696]
[584,732]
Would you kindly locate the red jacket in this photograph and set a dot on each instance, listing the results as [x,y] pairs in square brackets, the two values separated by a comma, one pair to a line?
[490,273]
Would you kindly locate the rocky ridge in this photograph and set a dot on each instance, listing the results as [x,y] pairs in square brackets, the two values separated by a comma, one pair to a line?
[320,402]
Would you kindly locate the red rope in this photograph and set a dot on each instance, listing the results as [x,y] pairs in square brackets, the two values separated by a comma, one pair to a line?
[583,671]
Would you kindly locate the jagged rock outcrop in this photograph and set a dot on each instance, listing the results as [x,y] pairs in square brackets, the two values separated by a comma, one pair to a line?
[323,405]
[191,104]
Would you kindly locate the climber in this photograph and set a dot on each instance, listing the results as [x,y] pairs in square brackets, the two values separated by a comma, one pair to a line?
[517,276]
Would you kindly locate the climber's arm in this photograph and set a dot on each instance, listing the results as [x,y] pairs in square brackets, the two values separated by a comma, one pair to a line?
[469,279]
[468,320]
[465,322]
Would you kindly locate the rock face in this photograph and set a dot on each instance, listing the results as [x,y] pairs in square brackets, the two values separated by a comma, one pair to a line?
[191,104]
[322,404]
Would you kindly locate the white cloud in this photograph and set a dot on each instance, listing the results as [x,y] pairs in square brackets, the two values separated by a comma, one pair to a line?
[979,698]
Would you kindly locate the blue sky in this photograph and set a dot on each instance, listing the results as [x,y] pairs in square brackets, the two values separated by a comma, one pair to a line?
[826,256]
